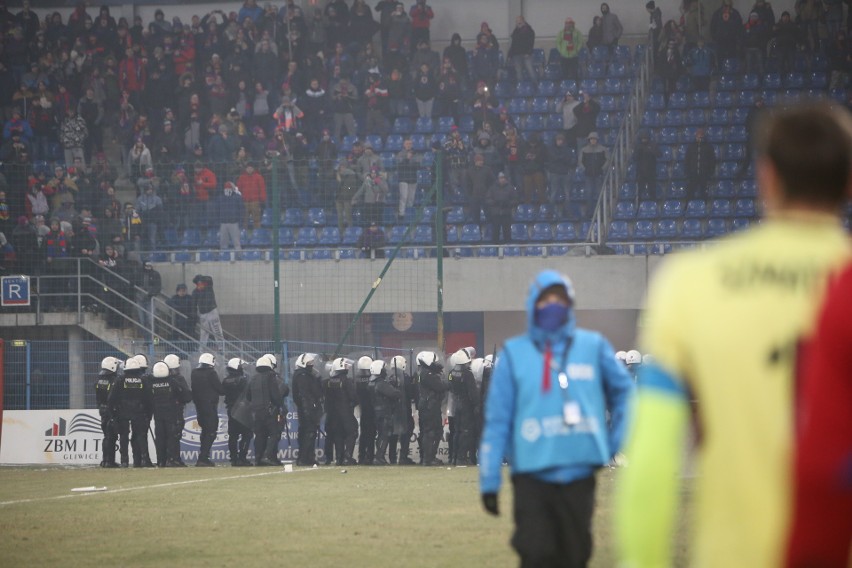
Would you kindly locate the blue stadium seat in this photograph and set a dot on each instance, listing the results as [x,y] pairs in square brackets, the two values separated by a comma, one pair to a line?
[261,238]
[306,236]
[170,238]
[348,142]
[700,99]
[723,99]
[541,232]
[251,255]
[428,215]
[545,212]
[643,229]
[503,89]
[424,125]
[554,122]
[740,223]
[716,134]
[716,227]
[745,208]
[669,135]
[651,119]
[696,208]
[618,231]
[519,232]
[678,100]
[673,118]
[596,70]
[695,117]
[692,229]
[214,256]
[316,217]
[619,69]
[388,162]
[589,86]
[517,106]
[423,234]
[525,89]
[622,53]
[794,80]
[329,236]
[394,141]
[672,208]
[286,236]
[184,256]
[818,79]
[718,116]
[211,238]
[728,170]
[733,152]
[320,254]
[534,251]
[455,215]
[666,229]
[747,188]
[292,217]
[566,231]
[191,238]
[728,82]
[445,124]
[290,254]
[158,256]
[721,208]
[266,218]
[770,80]
[419,142]
[512,251]
[624,210]
[558,250]
[402,125]
[424,178]
[746,98]
[615,85]
[540,105]
[553,72]
[722,189]
[737,133]
[751,81]
[524,213]
[534,123]
[470,233]
[568,85]
[397,234]
[347,254]
[547,88]
[647,210]
[351,235]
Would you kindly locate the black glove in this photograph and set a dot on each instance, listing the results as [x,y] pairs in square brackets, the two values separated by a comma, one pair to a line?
[489,501]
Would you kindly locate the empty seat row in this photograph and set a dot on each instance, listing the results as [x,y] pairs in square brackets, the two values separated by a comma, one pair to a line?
[675,208]
[724,188]
[643,230]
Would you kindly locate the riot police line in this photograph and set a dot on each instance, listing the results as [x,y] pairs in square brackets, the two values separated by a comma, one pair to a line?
[386,394]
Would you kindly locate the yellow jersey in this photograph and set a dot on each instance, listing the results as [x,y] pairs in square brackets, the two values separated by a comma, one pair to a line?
[723,325]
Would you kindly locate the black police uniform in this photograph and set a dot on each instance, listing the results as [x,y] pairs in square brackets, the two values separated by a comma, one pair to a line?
[264,397]
[206,390]
[367,438]
[173,447]
[167,397]
[147,379]
[133,403]
[103,386]
[466,411]
[239,434]
[341,427]
[403,419]
[385,402]
[432,390]
[307,394]
[280,420]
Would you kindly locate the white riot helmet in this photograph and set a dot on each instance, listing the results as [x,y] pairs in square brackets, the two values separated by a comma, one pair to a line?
[235,363]
[477,366]
[633,357]
[110,364]
[460,358]
[263,362]
[377,367]
[427,358]
[206,359]
[161,370]
[398,362]
[273,361]
[142,360]
[305,360]
[621,356]
[489,360]
[339,366]
[172,361]
[364,363]
[471,352]
[131,364]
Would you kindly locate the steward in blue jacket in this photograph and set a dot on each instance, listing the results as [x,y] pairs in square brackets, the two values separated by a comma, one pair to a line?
[546,413]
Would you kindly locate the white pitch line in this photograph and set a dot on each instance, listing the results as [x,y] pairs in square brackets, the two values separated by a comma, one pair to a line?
[141,487]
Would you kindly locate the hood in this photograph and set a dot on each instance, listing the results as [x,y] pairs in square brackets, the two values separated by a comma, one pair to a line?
[546,279]
[456,39]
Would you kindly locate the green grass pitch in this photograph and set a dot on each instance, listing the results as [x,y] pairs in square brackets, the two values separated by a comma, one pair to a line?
[369,516]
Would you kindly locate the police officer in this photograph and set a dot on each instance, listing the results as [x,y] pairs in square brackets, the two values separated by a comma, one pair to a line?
[341,427]
[172,361]
[165,395]
[307,394]
[466,407]
[385,402]
[367,437]
[106,380]
[403,420]
[146,381]
[133,404]
[280,423]
[481,369]
[264,398]
[239,433]
[206,390]
[431,388]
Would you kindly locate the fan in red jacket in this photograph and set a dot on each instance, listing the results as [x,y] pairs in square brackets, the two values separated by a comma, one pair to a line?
[253,187]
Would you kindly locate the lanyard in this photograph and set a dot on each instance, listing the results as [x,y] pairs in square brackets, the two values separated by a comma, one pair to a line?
[560,368]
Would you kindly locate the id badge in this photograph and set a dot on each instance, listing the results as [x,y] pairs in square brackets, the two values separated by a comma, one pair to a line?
[571,413]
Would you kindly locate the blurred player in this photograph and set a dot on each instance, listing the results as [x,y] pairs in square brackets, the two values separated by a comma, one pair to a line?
[821,529]
[723,326]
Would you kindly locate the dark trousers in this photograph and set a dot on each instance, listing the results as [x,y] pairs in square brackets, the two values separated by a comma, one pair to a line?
[239,438]
[133,430]
[367,438]
[308,426]
[208,419]
[110,435]
[265,433]
[553,522]
[164,437]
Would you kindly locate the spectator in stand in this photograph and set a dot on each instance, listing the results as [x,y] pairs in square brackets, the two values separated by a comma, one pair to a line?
[449,93]
[569,42]
[250,10]
[326,155]
[486,56]
[645,158]
[288,116]
[347,187]
[168,148]
[595,35]
[344,97]
[362,26]
[185,318]
[612,28]
[726,29]
[456,154]
[561,162]
[839,61]
[204,185]
[500,201]
[376,100]
[252,191]
[701,63]
[132,75]
[809,13]
[398,92]
[261,109]
[655,25]
[533,163]
[421,18]
[457,56]
[486,149]
[372,241]
[368,160]
[670,68]
[372,194]
[587,115]
[407,164]
[425,89]
[36,203]
[150,209]
[569,120]
[521,49]
[399,31]
[231,210]
[786,35]
[755,38]
[17,123]
[386,8]
[700,166]
[484,104]
[315,108]
[478,180]
[694,23]
[593,158]
[73,135]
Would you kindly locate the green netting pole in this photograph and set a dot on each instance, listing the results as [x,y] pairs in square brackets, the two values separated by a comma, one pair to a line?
[439,230]
[276,261]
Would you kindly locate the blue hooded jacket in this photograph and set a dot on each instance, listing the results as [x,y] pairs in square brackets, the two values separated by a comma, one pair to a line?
[524,409]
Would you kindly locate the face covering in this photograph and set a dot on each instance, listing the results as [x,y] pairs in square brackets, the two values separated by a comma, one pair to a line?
[551,317]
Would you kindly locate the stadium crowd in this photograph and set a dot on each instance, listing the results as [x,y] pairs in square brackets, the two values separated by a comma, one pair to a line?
[200,112]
